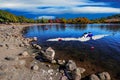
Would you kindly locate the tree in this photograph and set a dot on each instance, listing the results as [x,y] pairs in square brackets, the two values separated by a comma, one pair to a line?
[63,20]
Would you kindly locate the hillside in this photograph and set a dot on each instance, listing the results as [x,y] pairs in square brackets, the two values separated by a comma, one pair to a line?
[109,19]
[113,19]
[7,17]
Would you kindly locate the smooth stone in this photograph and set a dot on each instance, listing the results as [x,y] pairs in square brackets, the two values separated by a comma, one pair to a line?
[64,78]
[61,62]
[53,62]
[104,76]
[71,65]
[50,71]
[94,77]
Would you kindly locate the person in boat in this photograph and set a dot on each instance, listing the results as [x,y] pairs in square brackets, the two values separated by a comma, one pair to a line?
[90,34]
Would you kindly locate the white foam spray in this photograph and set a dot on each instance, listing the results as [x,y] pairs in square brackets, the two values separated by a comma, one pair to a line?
[82,39]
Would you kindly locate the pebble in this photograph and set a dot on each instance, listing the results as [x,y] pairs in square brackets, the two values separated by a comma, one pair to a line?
[9,58]
[1,45]
[50,71]
[3,67]
[35,38]
[61,62]
[25,54]
[22,62]
[35,67]
[53,62]
[48,65]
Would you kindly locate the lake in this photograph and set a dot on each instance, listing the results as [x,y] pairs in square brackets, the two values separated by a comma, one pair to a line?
[109,45]
[105,50]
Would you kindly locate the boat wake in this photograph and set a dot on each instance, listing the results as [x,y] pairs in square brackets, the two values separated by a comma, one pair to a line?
[82,39]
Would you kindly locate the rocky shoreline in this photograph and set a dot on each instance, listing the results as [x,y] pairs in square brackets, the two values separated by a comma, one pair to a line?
[21,60]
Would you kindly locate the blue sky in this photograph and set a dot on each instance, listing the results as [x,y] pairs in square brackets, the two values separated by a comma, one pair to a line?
[62,8]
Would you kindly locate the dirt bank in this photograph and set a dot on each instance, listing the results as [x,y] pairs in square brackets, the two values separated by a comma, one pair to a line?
[16,67]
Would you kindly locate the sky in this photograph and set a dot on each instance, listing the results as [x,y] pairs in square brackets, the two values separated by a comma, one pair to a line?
[62,8]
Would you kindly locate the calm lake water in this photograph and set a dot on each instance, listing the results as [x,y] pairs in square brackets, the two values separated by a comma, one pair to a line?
[105,48]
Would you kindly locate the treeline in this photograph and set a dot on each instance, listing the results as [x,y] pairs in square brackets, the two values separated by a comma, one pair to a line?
[109,19]
[81,20]
[6,17]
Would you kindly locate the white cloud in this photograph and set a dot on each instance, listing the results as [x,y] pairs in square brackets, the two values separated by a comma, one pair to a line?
[46,17]
[37,3]
[91,9]
[67,6]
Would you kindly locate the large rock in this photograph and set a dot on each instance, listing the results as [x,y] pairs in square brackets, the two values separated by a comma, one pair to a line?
[49,54]
[71,65]
[104,76]
[77,73]
[94,77]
